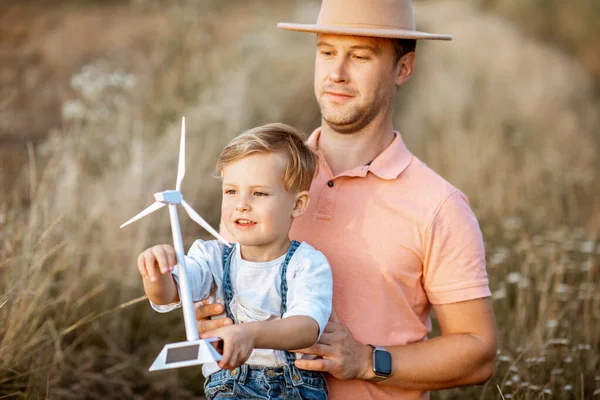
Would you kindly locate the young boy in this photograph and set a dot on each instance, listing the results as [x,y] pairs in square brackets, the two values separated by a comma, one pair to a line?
[277,292]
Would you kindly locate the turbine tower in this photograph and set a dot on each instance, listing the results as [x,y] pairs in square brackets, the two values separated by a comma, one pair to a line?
[194,351]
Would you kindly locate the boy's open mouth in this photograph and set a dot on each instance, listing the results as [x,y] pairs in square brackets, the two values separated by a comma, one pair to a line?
[244,222]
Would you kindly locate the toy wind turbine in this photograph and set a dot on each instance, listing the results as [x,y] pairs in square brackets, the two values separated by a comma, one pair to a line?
[194,351]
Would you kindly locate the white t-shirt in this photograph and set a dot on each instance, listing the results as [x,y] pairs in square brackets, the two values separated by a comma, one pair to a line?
[257,289]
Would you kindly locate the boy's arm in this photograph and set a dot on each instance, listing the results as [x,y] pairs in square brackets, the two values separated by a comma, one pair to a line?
[290,333]
[163,291]
[283,334]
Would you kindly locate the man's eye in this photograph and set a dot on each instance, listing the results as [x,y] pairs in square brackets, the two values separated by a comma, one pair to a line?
[326,53]
[361,58]
[260,194]
[229,191]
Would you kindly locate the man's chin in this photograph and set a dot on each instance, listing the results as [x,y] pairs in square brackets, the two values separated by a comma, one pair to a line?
[344,125]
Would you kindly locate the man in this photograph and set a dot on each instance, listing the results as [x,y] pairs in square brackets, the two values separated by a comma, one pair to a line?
[401,241]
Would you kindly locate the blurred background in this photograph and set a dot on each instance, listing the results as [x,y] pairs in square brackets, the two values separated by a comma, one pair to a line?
[91,98]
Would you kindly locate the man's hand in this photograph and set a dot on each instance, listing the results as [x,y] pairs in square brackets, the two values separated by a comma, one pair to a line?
[343,356]
[203,313]
[156,261]
[238,343]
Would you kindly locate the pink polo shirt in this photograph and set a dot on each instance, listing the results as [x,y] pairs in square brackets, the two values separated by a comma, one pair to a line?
[399,238]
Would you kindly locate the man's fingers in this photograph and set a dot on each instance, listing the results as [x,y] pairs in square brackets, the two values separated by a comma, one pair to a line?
[331,327]
[308,350]
[208,310]
[320,364]
[317,349]
[207,325]
[334,317]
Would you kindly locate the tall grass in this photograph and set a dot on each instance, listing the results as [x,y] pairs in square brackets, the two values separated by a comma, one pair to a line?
[73,320]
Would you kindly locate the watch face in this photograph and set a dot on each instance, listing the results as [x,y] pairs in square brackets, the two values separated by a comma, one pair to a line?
[382,362]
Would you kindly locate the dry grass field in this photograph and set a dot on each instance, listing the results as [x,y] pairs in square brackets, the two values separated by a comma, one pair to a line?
[91,95]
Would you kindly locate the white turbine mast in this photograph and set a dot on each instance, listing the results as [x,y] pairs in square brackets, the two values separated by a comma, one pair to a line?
[194,351]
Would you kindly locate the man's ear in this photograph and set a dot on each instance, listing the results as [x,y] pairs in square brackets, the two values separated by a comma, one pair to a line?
[405,67]
[302,200]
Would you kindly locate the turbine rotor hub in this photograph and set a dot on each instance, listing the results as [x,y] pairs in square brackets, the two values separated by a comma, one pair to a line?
[169,197]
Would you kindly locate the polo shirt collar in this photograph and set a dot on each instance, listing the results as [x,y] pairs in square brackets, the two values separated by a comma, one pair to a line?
[389,164]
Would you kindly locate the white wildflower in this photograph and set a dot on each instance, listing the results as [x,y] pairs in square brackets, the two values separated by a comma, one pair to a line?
[562,288]
[514,277]
[587,247]
[558,342]
[499,256]
[73,110]
[499,294]
[551,323]
[512,223]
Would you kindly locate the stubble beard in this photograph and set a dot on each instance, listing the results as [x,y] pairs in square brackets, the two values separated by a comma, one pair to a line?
[351,118]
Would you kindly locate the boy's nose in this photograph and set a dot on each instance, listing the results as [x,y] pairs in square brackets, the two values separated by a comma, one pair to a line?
[242,206]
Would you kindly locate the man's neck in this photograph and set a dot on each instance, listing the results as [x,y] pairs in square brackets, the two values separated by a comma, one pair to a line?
[345,151]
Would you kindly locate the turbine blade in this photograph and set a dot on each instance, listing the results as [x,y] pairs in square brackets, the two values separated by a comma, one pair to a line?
[155,206]
[181,166]
[200,221]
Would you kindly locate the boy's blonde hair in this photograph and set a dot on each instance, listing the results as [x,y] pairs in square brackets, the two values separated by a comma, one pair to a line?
[302,162]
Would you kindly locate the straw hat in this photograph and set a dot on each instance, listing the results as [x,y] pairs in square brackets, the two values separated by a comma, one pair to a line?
[375,18]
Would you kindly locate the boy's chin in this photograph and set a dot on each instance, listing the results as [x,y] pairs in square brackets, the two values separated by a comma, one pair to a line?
[249,241]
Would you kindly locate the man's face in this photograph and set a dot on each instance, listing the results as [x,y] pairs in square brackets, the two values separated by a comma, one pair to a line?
[355,80]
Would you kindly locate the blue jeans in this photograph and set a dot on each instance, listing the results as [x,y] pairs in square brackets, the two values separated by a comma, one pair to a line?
[258,382]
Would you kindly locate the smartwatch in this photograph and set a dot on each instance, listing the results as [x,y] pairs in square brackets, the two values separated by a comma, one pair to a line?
[382,364]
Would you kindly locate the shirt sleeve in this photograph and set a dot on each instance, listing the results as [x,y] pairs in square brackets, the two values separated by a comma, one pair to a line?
[202,261]
[454,265]
[310,286]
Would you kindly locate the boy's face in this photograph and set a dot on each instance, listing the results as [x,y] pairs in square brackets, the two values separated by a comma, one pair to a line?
[256,208]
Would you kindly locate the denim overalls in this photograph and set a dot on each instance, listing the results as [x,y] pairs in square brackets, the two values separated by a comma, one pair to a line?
[260,382]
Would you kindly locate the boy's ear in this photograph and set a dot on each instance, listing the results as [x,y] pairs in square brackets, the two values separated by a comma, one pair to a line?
[302,200]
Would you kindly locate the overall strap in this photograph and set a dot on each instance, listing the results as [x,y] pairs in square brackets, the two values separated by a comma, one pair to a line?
[284,289]
[228,253]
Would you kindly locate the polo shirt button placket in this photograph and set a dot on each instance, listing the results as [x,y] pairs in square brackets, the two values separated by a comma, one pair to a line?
[330,183]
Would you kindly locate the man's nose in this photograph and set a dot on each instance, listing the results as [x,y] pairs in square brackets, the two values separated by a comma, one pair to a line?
[339,71]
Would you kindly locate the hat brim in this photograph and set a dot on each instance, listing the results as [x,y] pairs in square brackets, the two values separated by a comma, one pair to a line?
[372,32]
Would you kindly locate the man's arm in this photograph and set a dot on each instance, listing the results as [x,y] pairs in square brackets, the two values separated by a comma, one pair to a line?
[463,355]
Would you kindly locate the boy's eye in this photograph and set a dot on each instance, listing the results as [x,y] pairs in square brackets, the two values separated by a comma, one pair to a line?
[361,58]
[230,191]
[260,194]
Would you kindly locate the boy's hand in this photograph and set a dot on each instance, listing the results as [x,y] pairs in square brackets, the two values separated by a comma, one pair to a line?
[156,260]
[238,343]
